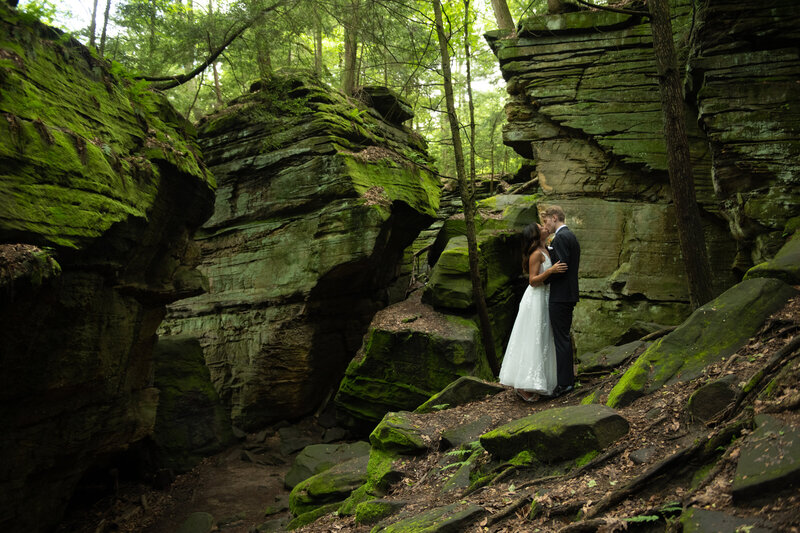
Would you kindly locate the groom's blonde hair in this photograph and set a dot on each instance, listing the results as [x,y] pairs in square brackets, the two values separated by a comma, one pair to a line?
[556,211]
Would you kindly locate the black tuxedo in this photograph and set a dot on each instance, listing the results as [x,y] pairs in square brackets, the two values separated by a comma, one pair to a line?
[563,297]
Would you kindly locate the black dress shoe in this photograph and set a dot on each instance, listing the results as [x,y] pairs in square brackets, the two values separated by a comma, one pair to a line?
[562,390]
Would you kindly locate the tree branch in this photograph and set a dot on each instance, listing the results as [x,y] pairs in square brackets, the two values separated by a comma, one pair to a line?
[614,9]
[169,82]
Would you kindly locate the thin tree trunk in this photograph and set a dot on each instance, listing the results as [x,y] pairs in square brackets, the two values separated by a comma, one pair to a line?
[467,29]
[350,50]
[105,26]
[93,26]
[502,15]
[466,198]
[690,227]
[317,43]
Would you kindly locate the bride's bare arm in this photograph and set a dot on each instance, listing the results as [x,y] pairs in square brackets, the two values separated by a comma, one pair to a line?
[538,278]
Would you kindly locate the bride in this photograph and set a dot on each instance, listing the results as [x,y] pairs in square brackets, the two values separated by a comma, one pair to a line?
[529,364]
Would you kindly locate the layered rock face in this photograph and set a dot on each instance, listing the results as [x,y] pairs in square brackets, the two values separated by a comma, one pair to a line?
[585,105]
[318,197]
[100,192]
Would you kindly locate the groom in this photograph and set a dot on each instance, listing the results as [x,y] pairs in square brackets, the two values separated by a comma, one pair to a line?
[563,293]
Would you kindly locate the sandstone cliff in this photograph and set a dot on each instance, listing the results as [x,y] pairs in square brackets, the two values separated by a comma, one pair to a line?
[101,189]
[585,105]
[318,197]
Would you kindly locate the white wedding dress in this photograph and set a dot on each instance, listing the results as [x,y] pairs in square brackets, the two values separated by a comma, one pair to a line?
[530,359]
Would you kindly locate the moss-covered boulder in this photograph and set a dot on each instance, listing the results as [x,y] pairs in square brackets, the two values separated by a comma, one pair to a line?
[318,197]
[101,190]
[453,517]
[499,261]
[329,486]
[399,433]
[372,511]
[769,460]
[785,265]
[607,358]
[191,422]
[311,516]
[320,457]
[464,390]
[409,353]
[559,434]
[715,330]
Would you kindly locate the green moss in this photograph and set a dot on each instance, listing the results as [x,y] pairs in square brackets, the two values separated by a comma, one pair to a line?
[523,458]
[311,516]
[85,144]
[586,458]
[372,511]
[590,398]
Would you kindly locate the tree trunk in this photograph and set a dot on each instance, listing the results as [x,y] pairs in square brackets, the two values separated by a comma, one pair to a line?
[350,50]
[93,26]
[466,198]
[105,26]
[467,29]
[502,15]
[317,44]
[690,228]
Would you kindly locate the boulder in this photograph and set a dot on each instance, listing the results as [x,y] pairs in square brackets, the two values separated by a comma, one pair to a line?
[464,390]
[318,197]
[559,434]
[330,486]
[372,511]
[769,460]
[398,433]
[499,261]
[311,516]
[190,422]
[409,353]
[785,265]
[712,398]
[320,457]
[698,520]
[101,191]
[453,517]
[608,358]
[714,331]
[464,433]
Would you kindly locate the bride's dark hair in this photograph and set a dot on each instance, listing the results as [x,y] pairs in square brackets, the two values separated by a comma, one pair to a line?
[531,239]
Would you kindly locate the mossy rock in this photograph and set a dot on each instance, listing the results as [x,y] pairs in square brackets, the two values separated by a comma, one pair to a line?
[73,171]
[463,390]
[311,516]
[398,433]
[450,518]
[332,485]
[784,266]
[714,331]
[558,434]
[381,474]
[499,263]
[699,520]
[372,511]
[464,433]
[607,358]
[769,461]
[402,364]
[320,457]
[191,422]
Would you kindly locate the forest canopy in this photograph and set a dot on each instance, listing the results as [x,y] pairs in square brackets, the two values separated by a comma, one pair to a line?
[229,44]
